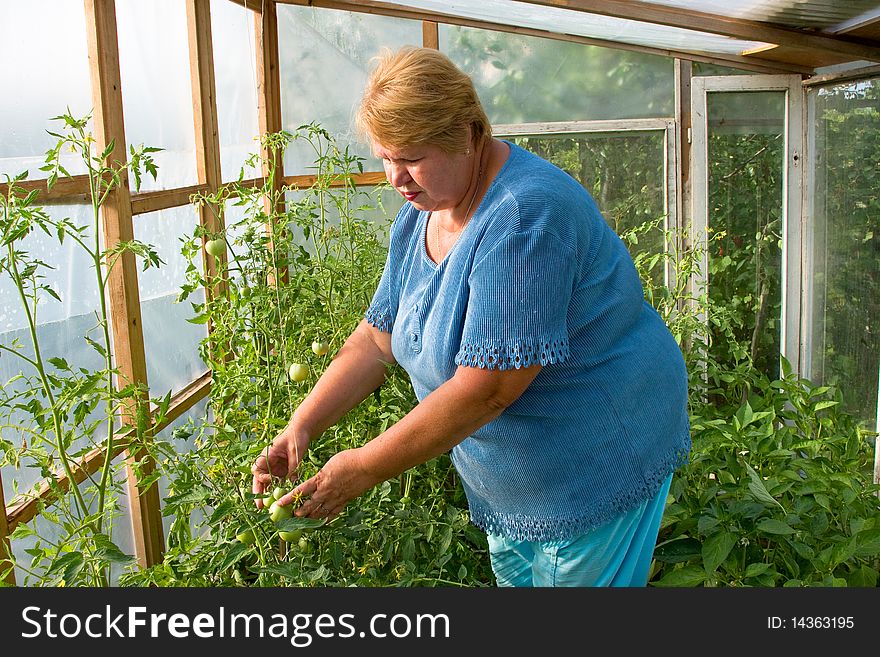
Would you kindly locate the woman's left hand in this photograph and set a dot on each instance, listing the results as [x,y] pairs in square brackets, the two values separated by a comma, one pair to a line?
[342,479]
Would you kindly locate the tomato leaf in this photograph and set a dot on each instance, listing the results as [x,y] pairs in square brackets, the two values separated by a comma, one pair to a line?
[294,523]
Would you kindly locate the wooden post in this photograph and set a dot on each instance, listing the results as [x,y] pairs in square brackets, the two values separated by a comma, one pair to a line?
[430,35]
[683,74]
[204,94]
[123,293]
[5,547]
[269,105]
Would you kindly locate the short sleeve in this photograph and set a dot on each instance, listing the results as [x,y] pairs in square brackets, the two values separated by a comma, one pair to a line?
[379,312]
[518,303]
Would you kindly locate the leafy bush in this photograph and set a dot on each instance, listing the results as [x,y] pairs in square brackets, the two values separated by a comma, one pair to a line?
[61,412]
[778,490]
[412,530]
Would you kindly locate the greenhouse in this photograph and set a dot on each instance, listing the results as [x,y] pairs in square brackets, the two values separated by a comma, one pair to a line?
[192,226]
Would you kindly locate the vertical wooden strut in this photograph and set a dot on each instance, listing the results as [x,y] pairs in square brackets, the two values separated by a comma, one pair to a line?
[123,294]
[269,105]
[431,35]
[204,95]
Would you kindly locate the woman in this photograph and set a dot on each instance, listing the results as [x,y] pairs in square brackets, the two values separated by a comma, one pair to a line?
[520,319]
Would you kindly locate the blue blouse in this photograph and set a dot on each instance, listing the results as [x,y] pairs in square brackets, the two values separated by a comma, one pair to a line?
[538,276]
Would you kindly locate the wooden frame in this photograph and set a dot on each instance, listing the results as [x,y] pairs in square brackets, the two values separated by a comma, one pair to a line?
[792,345]
[671,193]
[387,9]
[125,307]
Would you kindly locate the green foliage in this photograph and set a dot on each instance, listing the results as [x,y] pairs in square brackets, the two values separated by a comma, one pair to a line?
[409,531]
[745,262]
[60,411]
[778,491]
[779,487]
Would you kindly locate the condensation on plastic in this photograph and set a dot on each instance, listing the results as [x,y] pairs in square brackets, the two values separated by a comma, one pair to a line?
[235,60]
[45,72]
[579,23]
[156,89]
[523,79]
[325,59]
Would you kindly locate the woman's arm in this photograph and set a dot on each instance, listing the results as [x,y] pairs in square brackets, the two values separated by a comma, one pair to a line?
[356,370]
[467,401]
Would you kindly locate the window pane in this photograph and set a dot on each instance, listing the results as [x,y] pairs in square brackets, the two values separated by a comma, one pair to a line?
[846,244]
[325,61]
[523,79]
[235,60]
[170,341]
[46,70]
[161,119]
[746,146]
[624,172]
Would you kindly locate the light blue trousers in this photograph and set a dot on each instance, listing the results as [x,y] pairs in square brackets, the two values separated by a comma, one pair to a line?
[617,553]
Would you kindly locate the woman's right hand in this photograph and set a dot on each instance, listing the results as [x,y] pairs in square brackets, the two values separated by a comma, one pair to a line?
[280,459]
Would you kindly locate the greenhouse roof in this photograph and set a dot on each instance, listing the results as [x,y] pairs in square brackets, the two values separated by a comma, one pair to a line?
[805,36]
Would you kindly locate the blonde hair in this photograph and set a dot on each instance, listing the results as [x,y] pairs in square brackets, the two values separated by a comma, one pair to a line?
[418,96]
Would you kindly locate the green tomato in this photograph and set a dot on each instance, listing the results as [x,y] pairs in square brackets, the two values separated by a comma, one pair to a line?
[304,546]
[291,537]
[247,537]
[268,500]
[278,513]
[215,247]
[278,493]
[298,372]
[320,348]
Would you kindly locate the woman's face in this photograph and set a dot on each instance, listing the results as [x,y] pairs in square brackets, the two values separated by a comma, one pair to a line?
[426,175]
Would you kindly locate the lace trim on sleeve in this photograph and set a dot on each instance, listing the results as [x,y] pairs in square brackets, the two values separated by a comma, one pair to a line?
[522,353]
[381,319]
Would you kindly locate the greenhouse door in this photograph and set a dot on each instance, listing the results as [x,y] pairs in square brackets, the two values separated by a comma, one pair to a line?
[746,152]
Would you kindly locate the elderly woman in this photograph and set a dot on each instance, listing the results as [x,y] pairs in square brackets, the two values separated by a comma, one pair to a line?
[520,319]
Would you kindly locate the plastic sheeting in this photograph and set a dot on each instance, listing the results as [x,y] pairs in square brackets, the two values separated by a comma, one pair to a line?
[325,61]
[45,71]
[579,23]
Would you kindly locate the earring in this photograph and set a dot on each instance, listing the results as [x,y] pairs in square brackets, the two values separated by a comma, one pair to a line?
[468,152]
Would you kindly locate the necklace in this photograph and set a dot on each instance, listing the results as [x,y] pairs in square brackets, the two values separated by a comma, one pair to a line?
[467,212]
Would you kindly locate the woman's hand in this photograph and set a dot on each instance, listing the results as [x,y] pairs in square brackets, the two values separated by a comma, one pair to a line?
[280,459]
[342,479]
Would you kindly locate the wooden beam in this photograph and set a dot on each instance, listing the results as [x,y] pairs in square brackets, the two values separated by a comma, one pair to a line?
[73,189]
[123,293]
[5,547]
[812,58]
[575,127]
[430,35]
[387,9]
[25,507]
[368,178]
[255,6]
[738,28]
[207,139]
[145,202]
[841,77]
[269,106]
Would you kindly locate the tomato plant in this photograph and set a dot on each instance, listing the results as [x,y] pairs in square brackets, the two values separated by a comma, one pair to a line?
[300,281]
